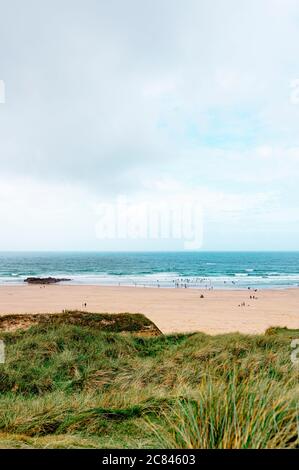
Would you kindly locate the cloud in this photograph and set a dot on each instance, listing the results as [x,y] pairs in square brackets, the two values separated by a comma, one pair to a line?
[121,97]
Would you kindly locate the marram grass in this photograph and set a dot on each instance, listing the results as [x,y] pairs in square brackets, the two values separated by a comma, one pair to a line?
[71,386]
[250,414]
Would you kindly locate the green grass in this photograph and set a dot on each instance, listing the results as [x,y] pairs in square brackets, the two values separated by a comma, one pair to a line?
[67,385]
[117,323]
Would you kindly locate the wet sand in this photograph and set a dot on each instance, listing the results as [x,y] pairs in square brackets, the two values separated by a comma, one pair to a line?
[172,310]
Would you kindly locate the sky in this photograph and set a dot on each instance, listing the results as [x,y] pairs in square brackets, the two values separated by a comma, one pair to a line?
[180,103]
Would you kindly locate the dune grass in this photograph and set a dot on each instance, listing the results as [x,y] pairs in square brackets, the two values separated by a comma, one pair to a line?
[71,385]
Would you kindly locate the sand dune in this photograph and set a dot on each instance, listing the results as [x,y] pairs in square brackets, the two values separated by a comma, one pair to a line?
[172,310]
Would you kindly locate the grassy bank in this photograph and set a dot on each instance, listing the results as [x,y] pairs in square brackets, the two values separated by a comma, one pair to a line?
[71,384]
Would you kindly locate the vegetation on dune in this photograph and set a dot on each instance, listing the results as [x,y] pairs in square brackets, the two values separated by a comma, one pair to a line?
[74,385]
[121,322]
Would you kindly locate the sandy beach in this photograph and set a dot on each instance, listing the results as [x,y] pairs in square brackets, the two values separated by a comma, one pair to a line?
[172,310]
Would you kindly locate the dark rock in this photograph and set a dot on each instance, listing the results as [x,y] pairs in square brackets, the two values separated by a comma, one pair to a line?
[44,280]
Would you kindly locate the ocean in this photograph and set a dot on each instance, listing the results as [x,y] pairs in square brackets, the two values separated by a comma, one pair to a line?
[221,270]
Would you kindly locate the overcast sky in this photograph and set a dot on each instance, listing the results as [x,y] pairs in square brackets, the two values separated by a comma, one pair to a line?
[154,100]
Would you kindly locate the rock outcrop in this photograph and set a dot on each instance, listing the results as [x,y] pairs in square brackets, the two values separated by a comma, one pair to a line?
[44,280]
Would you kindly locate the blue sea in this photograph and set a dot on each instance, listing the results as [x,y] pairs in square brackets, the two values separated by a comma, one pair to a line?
[224,270]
